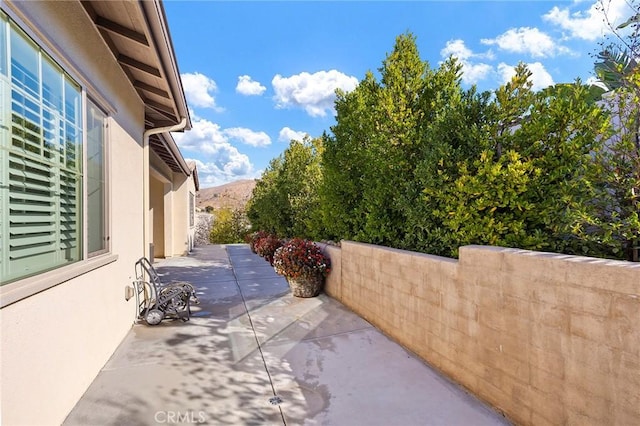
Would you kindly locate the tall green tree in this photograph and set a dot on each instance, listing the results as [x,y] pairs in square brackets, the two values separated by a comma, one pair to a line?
[517,175]
[454,131]
[285,200]
[395,144]
[267,209]
[374,149]
[346,159]
[301,177]
[416,161]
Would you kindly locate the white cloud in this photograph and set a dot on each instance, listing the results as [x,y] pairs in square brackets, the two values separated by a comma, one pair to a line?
[248,136]
[313,92]
[204,137]
[471,72]
[506,72]
[220,161]
[199,90]
[589,24]
[246,86]
[540,78]
[456,48]
[527,40]
[287,135]
[213,174]
[474,72]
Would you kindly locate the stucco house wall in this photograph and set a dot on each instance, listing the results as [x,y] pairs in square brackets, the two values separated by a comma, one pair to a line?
[192,188]
[170,209]
[59,328]
[183,241]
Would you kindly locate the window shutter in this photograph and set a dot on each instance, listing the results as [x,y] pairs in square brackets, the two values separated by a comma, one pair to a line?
[32,228]
[40,162]
[69,204]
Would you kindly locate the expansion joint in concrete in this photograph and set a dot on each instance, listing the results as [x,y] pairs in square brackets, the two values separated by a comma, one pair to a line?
[275,400]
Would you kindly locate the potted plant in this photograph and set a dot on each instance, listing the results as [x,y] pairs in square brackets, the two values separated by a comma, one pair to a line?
[304,266]
[253,238]
[267,246]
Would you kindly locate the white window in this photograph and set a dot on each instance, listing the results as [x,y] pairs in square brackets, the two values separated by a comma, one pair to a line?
[41,162]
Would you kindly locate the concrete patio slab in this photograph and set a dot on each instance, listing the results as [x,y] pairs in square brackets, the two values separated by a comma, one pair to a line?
[363,378]
[254,354]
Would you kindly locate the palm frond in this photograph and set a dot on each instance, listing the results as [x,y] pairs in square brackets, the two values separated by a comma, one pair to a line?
[613,67]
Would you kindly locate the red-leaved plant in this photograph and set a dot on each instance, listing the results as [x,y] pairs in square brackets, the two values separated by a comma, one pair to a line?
[267,246]
[253,238]
[301,258]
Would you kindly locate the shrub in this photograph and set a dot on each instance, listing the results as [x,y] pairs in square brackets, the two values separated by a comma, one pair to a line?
[229,226]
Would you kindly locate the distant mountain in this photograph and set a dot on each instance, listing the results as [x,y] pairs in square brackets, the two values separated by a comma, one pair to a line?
[232,195]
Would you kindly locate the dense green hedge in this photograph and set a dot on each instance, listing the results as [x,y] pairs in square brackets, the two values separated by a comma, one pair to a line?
[417,162]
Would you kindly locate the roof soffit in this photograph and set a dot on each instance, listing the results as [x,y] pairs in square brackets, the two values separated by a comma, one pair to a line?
[130,31]
[136,33]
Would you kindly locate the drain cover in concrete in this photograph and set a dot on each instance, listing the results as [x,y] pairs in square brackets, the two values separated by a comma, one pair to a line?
[275,400]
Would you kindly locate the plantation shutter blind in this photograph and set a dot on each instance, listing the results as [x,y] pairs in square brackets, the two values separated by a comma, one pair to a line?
[4,132]
[40,189]
[70,184]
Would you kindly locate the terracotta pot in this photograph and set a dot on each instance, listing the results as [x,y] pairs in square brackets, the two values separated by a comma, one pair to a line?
[306,286]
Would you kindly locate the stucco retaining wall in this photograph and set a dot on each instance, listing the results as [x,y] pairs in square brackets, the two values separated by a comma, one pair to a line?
[545,338]
[333,282]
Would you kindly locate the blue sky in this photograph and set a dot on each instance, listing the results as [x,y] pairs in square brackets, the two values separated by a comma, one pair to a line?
[257,74]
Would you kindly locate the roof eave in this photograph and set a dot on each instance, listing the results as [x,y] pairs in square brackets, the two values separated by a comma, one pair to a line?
[157,21]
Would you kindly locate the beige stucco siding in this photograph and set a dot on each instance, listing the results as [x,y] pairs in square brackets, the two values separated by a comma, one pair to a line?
[156,215]
[181,215]
[169,209]
[55,342]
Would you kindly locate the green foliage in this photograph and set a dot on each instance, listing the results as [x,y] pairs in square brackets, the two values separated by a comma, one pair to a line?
[616,226]
[285,200]
[229,226]
[266,207]
[374,148]
[529,185]
[457,130]
[614,66]
[469,214]
[416,161]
